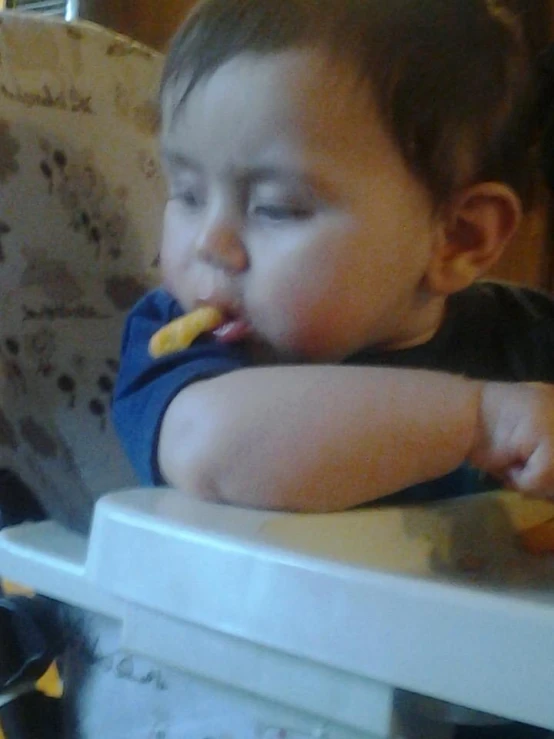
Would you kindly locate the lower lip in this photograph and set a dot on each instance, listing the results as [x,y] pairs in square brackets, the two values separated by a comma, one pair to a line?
[233,331]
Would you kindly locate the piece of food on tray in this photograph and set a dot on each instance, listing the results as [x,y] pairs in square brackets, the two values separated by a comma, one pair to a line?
[538,539]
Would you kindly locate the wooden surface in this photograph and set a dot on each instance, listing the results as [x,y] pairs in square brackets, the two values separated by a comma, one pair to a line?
[154,21]
[151,21]
[526,259]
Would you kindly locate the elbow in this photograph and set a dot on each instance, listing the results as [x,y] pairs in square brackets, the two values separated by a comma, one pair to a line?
[184,460]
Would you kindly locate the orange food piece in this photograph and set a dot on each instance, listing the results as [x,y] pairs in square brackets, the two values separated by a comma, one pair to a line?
[180,333]
[539,539]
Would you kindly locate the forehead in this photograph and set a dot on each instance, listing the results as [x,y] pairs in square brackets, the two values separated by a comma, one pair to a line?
[297,101]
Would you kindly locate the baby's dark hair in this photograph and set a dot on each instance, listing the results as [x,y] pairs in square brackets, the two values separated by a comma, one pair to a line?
[450,77]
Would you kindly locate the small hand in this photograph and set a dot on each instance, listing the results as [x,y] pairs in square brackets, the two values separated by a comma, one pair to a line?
[515,438]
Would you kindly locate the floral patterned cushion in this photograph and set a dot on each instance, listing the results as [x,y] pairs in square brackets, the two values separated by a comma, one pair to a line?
[81,199]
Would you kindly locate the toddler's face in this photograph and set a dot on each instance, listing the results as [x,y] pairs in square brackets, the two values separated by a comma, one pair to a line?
[290,208]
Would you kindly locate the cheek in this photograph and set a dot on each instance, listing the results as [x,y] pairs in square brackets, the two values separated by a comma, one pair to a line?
[167,261]
[169,233]
[175,252]
[310,301]
[291,299]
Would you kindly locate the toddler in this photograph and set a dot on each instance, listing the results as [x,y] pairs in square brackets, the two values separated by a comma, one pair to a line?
[341,174]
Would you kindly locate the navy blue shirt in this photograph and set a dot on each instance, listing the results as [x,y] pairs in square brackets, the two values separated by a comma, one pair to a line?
[491,331]
[146,386]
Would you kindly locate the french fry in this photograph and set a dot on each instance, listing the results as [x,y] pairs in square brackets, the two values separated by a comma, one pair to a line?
[538,539]
[181,332]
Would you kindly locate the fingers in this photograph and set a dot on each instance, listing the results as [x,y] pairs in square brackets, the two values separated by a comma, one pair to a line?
[535,478]
[516,439]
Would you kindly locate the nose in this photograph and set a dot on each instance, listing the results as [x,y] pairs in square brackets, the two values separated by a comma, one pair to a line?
[221,245]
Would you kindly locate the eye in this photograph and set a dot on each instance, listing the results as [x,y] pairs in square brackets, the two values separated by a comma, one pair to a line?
[281,212]
[190,199]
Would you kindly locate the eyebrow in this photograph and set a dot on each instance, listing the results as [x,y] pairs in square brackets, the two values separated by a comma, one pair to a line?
[175,157]
[317,183]
[252,174]
[267,173]
[257,175]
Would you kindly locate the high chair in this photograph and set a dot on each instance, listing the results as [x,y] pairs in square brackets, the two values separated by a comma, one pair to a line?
[190,619]
[81,199]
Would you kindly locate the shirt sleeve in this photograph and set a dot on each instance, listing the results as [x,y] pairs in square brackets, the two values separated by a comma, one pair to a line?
[541,337]
[146,386]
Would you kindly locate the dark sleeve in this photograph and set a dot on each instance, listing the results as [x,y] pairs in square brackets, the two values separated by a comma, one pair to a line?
[146,386]
[524,340]
[541,337]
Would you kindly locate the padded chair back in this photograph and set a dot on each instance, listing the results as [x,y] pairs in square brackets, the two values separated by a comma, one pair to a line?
[81,200]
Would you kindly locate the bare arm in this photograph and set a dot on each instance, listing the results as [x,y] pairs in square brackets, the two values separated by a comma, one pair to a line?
[316,438]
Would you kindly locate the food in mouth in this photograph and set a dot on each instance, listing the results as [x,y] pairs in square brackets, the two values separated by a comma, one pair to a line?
[181,332]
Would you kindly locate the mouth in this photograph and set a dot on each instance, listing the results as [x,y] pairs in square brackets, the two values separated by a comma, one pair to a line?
[234,326]
[233,329]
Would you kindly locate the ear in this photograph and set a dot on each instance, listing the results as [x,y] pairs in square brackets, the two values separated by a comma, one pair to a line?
[475,227]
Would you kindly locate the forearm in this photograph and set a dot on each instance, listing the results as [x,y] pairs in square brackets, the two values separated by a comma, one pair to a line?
[316,438]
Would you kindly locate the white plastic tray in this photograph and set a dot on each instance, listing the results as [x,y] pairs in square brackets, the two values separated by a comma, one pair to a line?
[438,600]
